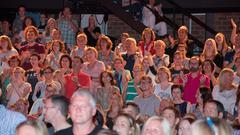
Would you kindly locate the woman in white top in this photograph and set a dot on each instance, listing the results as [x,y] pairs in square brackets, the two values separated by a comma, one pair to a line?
[18,88]
[6,51]
[57,50]
[225,91]
[164,85]
[93,67]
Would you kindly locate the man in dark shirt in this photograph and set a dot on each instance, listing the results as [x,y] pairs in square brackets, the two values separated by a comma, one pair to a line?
[55,112]
[82,110]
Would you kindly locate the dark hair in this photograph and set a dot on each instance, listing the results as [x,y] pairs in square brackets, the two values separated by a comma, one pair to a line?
[62,102]
[177,86]
[77,57]
[110,75]
[48,67]
[134,105]
[211,64]
[14,57]
[205,94]
[69,59]
[107,132]
[38,56]
[175,111]
[24,21]
[219,105]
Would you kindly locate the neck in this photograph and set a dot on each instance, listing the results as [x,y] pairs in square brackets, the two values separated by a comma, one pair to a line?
[83,129]
[107,85]
[48,80]
[147,93]
[60,123]
[76,70]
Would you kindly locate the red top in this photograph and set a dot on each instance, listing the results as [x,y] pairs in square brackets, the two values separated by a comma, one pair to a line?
[146,48]
[192,85]
[70,86]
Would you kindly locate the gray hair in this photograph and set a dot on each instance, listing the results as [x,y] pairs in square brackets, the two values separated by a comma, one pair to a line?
[164,123]
[85,93]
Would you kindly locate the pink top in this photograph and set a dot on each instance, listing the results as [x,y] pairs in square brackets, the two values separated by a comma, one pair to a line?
[192,85]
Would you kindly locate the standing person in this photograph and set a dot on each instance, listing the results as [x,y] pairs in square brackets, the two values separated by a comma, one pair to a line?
[6,51]
[194,80]
[81,46]
[92,31]
[107,89]
[93,67]
[181,39]
[164,84]
[132,55]
[57,49]
[148,102]
[121,47]
[18,87]
[31,47]
[82,109]
[68,26]
[19,19]
[105,53]
[56,111]
[76,79]
[160,58]
[9,119]
[41,85]
[146,44]
[225,91]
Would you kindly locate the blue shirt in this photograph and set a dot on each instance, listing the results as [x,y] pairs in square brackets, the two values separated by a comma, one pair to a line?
[9,121]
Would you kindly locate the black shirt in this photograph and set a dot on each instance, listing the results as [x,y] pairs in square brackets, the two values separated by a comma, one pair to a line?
[94,131]
[66,131]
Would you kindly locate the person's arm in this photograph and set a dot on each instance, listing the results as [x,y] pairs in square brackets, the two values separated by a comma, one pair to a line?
[9,91]
[234,31]
[37,89]
[73,25]
[189,106]
[26,91]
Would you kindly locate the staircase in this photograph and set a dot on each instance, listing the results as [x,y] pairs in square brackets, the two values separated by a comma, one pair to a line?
[116,9]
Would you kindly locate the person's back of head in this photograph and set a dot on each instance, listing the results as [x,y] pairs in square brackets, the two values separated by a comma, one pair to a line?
[211,126]
[32,127]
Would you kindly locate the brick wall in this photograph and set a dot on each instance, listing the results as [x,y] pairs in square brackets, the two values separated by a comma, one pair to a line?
[218,21]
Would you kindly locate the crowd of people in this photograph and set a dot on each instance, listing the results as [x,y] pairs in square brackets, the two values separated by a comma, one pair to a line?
[57,78]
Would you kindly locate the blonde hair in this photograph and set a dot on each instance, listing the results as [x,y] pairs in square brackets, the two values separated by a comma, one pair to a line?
[224,43]
[133,42]
[94,50]
[160,43]
[216,126]
[214,45]
[6,38]
[166,70]
[39,127]
[82,35]
[222,78]
[163,121]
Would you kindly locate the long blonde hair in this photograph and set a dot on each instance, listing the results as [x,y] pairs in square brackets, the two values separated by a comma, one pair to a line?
[214,45]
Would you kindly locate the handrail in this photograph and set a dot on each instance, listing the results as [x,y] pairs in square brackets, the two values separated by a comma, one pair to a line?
[195,19]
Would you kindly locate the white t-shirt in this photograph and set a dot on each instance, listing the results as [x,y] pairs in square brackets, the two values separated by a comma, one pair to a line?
[163,94]
[226,97]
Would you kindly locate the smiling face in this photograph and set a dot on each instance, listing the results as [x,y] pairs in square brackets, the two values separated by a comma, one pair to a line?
[122,126]
[184,128]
